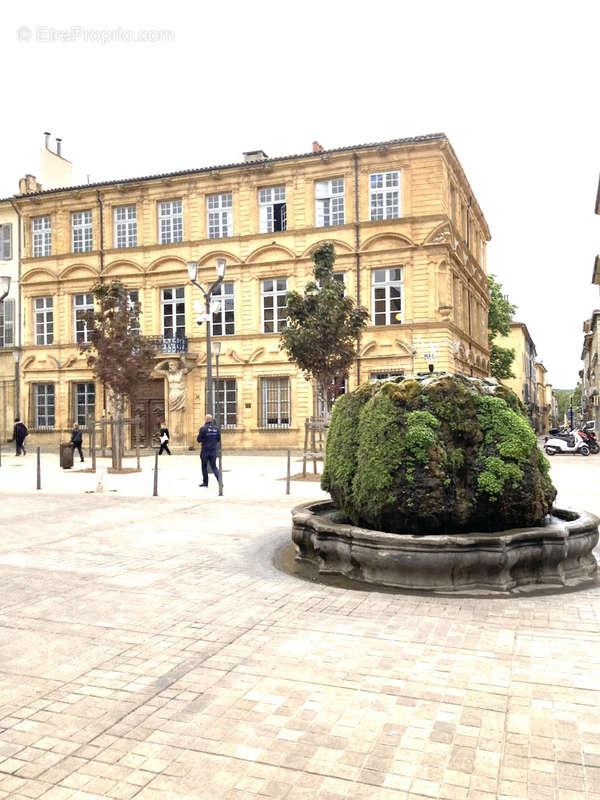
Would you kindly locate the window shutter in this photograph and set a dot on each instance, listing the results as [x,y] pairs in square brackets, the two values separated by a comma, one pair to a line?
[263,223]
[9,323]
[5,243]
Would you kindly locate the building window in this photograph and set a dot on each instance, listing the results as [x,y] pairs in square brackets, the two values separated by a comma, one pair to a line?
[6,241]
[125,226]
[7,323]
[274,402]
[44,405]
[170,221]
[225,402]
[387,296]
[84,402]
[384,195]
[173,312]
[219,215]
[272,209]
[223,321]
[81,228]
[453,204]
[82,304]
[133,300]
[329,203]
[41,234]
[274,305]
[44,320]
[387,375]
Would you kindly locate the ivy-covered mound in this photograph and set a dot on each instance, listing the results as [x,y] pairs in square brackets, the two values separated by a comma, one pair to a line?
[436,455]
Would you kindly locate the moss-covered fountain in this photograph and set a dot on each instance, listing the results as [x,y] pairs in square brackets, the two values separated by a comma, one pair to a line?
[437,483]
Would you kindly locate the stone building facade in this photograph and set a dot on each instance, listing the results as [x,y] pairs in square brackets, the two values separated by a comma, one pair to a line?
[590,374]
[410,242]
[529,382]
[9,318]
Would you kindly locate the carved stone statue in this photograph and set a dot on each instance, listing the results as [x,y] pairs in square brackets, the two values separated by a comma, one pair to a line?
[175,370]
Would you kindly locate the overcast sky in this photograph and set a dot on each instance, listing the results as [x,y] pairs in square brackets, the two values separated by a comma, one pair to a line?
[514,85]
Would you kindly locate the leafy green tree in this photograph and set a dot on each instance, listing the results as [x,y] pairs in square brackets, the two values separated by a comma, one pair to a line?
[119,356]
[499,318]
[323,326]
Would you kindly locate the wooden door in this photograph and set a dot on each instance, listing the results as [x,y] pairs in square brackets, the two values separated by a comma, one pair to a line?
[148,404]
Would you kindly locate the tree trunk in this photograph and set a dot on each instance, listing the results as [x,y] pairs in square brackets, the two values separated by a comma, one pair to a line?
[118,432]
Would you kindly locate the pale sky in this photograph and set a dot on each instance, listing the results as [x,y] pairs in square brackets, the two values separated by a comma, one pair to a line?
[514,85]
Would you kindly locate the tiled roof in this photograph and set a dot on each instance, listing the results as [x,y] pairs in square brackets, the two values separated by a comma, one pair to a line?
[431,137]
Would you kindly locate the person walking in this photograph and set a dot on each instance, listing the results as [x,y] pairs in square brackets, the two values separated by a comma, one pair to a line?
[164,439]
[77,439]
[209,437]
[20,433]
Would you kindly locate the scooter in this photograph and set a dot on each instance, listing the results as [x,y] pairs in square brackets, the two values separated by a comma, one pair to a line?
[558,442]
[589,437]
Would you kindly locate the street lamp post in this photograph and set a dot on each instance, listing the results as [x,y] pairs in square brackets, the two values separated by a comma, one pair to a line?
[208,293]
[217,348]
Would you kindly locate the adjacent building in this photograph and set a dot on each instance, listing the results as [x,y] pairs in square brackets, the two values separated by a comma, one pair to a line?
[590,374]
[9,318]
[529,383]
[410,241]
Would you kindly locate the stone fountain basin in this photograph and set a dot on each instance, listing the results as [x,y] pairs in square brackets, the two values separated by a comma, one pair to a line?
[559,553]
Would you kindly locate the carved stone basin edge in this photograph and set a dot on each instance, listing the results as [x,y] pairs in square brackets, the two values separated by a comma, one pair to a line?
[556,554]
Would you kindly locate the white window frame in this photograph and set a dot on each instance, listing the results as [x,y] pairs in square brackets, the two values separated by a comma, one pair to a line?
[384,195]
[219,215]
[43,309]
[7,323]
[225,317]
[387,285]
[45,411]
[268,198]
[82,303]
[279,322]
[41,236]
[178,296]
[224,397]
[329,203]
[385,374]
[133,297]
[6,241]
[170,221]
[81,231]
[282,387]
[87,404]
[125,226]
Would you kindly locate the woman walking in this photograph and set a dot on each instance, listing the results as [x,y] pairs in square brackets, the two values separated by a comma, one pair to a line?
[164,439]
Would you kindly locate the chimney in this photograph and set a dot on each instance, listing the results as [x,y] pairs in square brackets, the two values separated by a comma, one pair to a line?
[58,146]
[317,148]
[252,156]
[29,185]
[47,134]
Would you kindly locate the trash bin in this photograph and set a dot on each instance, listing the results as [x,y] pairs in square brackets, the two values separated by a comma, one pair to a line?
[66,455]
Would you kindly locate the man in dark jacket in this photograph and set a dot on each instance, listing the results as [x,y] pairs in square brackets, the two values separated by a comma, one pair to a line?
[19,433]
[77,439]
[209,437]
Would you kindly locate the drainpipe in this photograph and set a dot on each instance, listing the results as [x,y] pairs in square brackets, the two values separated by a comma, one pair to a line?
[357,245]
[19,313]
[101,213]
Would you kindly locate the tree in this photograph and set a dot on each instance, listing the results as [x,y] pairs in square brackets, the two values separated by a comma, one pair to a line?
[120,357]
[499,318]
[323,326]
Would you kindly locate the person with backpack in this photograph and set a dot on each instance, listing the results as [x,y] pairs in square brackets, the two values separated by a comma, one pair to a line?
[20,433]
[77,439]
[209,437]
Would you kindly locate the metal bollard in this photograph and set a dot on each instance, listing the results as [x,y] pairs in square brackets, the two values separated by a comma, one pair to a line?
[287,479]
[155,492]
[39,470]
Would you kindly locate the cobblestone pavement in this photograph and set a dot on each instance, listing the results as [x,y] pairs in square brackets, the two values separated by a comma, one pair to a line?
[152,648]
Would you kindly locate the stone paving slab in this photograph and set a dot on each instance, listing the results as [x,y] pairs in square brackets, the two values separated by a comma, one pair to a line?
[152,648]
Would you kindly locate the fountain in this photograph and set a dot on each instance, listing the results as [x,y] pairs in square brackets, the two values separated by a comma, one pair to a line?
[437,483]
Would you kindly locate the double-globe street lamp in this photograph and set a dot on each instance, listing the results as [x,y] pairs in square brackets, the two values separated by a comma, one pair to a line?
[207,317]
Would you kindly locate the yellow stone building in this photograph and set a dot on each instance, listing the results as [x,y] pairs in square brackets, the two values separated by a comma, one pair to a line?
[410,241]
[530,381]
[9,317]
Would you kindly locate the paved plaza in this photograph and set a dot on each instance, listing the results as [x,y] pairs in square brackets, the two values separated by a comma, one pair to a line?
[155,648]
